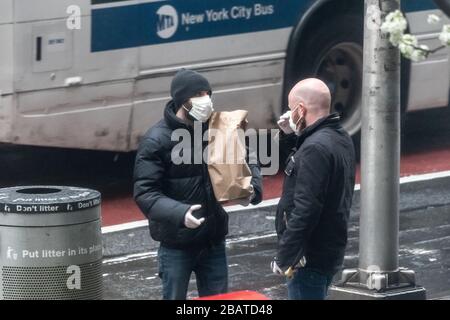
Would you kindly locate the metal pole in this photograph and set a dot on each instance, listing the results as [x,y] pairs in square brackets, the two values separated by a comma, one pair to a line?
[380,147]
[378,275]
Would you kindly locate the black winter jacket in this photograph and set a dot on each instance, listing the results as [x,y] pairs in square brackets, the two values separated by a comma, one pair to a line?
[313,212]
[164,191]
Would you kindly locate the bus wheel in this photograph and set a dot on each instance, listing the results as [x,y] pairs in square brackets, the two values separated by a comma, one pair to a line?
[333,52]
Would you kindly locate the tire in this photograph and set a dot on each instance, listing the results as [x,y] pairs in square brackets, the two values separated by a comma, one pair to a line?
[333,52]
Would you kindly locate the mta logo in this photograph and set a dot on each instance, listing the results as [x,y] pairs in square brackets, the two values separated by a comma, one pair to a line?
[167,22]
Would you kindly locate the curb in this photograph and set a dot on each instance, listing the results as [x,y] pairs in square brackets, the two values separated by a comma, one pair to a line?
[417,191]
[243,222]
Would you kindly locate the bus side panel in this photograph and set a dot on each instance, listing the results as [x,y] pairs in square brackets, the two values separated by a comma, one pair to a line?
[65,54]
[237,83]
[214,49]
[101,66]
[32,10]
[68,96]
[6,71]
[429,79]
[256,87]
[6,115]
[90,116]
[239,46]
[6,59]
[6,11]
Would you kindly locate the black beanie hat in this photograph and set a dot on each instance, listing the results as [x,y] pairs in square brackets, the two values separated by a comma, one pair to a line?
[186,84]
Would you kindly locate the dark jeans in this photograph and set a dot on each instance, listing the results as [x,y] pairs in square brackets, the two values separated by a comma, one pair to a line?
[209,265]
[308,284]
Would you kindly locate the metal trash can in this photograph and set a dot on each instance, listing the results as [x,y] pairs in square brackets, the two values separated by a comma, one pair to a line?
[50,243]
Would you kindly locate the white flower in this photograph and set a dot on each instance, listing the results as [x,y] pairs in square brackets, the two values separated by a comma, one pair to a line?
[433,19]
[445,35]
[420,55]
[394,23]
[407,45]
[409,39]
[395,38]
[406,50]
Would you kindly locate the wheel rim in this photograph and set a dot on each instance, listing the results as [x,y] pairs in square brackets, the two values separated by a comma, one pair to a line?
[341,68]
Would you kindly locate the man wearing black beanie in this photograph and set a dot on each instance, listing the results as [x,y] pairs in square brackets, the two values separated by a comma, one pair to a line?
[178,199]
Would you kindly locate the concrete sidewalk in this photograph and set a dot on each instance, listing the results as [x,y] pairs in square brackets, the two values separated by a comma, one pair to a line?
[415,195]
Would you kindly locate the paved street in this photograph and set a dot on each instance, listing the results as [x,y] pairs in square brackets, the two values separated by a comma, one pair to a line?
[424,247]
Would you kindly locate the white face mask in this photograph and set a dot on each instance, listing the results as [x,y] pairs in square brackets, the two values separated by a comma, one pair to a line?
[293,126]
[202,108]
[291,123]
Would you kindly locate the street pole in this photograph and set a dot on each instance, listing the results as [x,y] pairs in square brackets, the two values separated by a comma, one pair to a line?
[378,275]
[380,149]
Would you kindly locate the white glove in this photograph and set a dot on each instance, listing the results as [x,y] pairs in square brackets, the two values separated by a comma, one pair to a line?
[283,123]
[276,269]
[190,221]
[301,263]
[290,272]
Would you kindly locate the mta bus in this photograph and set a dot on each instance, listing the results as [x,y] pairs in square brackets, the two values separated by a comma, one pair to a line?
[97,79]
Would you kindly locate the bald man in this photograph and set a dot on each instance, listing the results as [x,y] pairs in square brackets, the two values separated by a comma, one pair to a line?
[313,212]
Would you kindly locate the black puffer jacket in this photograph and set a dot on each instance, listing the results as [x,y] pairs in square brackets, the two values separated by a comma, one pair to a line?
[164,191]
[313,212]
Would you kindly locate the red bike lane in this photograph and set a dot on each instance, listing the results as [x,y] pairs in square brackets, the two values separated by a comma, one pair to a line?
[122,209]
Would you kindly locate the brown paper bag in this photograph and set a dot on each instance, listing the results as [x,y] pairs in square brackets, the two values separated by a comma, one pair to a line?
[230,175]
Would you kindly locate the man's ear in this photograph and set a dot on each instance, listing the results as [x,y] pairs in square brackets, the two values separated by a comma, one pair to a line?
[303,111]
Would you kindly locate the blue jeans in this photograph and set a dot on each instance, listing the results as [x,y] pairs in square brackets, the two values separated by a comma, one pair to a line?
[308,284]
[209,265]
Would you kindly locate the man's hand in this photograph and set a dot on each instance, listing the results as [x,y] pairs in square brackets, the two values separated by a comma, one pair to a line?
[190,221]
[276,269]
[289,273]
[283,123]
